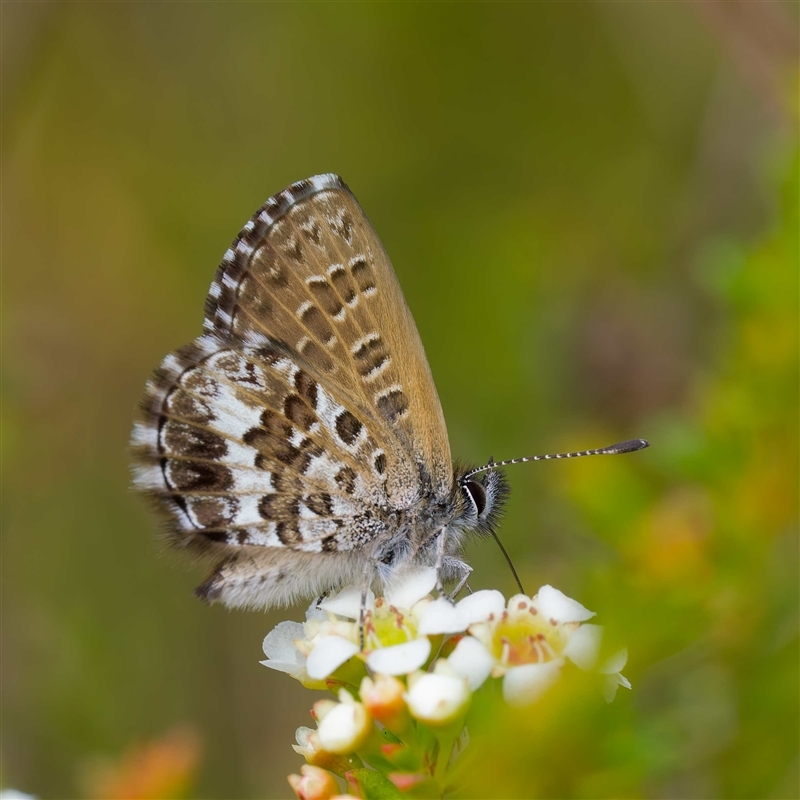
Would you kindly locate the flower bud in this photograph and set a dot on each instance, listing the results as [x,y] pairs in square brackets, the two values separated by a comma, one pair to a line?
[345,727]
[313,784]
[321,708]
[438,699]
[384,699]
[308,746]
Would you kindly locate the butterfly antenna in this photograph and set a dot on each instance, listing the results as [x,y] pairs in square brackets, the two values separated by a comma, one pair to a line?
[629,446]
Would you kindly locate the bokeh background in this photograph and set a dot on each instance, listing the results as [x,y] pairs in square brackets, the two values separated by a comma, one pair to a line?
[592,208]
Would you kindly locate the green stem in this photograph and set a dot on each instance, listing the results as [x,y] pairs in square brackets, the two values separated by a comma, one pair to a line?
[446,744]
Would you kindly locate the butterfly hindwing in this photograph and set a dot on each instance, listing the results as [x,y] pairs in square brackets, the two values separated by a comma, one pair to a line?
[244,447]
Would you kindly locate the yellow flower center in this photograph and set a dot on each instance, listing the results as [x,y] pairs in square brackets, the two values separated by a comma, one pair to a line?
[386,626]
[523,637]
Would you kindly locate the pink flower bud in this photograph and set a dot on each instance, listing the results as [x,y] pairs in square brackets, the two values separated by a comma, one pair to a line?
[314,784]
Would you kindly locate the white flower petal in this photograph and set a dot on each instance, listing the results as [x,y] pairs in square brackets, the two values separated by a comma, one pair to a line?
[410,587]
[553,604]
[315,612]
[438,699]
[471,660]
[278,644]
[609,689]
[441,616]
[615,663]
[289,667]
[347,603]
[478,607]
[280,649]
[400,659]
[329,653]
[583,646]
[301,736]
[610,684]
[527,683]
[520,603]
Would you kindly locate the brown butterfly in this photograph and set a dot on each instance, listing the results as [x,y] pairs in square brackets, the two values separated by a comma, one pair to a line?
[300,440]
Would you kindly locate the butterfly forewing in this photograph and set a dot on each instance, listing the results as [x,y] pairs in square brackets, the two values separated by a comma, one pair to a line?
[306,414]
[309,270]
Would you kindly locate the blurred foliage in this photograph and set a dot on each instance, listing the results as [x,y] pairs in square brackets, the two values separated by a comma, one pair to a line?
[705,590]
[165,767]
[593,212]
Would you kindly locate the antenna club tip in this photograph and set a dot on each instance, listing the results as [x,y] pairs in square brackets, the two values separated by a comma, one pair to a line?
[629,446]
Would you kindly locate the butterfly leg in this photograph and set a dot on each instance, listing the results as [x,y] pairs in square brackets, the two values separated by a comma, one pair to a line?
[455,565]
[442,562]
[362,611]
[362,619]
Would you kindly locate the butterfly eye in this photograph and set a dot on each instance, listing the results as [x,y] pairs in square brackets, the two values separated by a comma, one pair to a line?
[477,494]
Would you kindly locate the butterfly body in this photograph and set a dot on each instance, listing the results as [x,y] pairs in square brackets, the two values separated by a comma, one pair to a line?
[300,440]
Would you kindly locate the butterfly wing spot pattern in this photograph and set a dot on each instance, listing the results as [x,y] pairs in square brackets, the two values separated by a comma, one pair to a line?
[299,441]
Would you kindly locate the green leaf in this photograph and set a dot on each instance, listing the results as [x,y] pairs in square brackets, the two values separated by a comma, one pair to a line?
[372,785]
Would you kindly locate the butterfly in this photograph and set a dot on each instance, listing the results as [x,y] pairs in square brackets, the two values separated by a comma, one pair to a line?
[300,441]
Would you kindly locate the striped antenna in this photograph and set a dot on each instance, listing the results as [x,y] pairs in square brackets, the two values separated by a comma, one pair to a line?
[629,446]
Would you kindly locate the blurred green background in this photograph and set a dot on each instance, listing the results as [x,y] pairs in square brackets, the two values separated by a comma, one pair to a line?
[592,208]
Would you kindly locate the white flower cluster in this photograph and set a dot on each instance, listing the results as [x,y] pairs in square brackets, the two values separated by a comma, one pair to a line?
[526,641]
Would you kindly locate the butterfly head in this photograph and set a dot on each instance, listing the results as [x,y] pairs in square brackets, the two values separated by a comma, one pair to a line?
[485,497]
